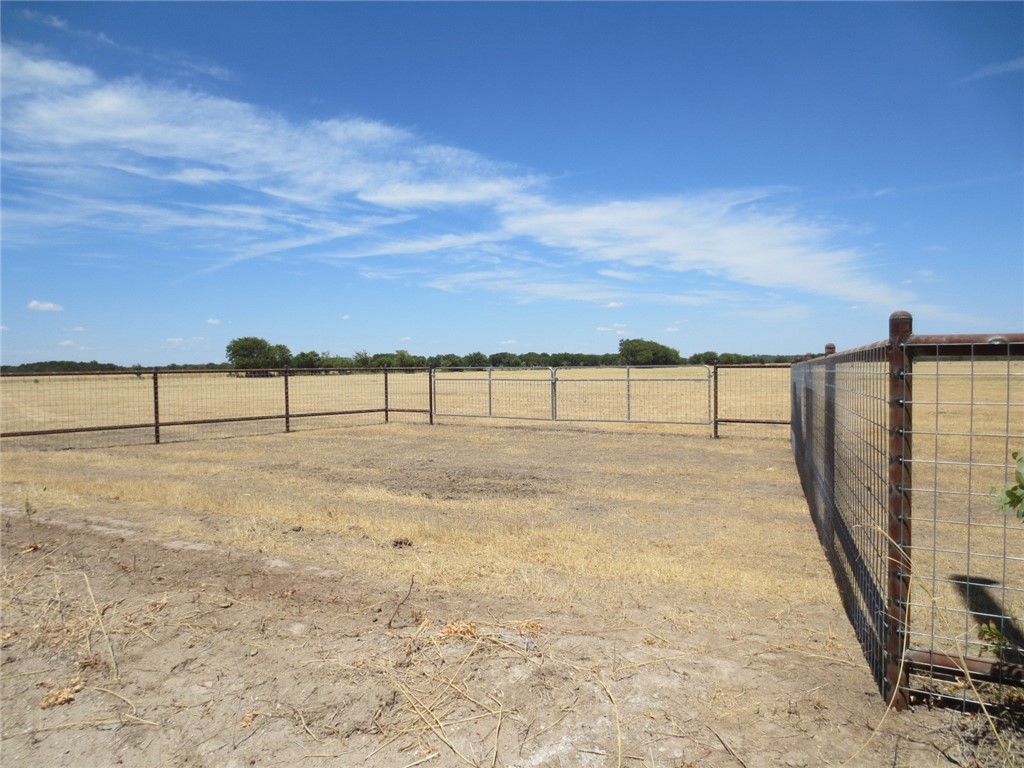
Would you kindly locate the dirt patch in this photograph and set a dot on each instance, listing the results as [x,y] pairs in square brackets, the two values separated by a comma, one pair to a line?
[124,643]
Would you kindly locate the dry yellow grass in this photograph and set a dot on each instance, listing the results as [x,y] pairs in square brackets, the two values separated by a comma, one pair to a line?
[551,513]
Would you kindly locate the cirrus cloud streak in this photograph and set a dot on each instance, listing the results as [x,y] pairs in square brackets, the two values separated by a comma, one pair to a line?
[230,182]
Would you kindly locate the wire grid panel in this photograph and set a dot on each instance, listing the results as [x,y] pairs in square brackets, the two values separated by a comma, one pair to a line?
[224,404]
[654,395]
[860,487]
[78,402]
[509,393]
[753,392]
[840,437]
[322,400]
[967,591]
[408,392]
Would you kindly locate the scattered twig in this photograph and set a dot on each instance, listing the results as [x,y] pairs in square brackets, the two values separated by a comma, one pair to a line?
[618,721]
[131,715]
[303,720]
[99,618]
[730,750]
[402,601]
[422,760]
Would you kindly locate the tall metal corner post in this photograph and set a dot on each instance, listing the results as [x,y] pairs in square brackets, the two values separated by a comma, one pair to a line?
[156,405]
[899,510]
[714,403]
[287,405]
[830,508]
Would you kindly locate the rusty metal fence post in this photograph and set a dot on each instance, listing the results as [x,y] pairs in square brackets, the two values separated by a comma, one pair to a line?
[430,396]
[899,510]
[287,410]
[387,404]
[714,410]
[554,394]
[156,406]
[830,393]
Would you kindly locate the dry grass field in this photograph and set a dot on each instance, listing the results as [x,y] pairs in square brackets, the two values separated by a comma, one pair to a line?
[400,594]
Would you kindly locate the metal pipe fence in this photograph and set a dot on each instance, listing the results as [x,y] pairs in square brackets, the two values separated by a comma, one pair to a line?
[154,406]
[898,445]
[740,396]
[650,395]
[125,408]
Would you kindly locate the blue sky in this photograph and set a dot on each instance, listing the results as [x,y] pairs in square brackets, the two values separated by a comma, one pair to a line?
[743,177]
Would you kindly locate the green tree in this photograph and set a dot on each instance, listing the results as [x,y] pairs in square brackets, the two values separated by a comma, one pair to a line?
[643,352]
[405,360]
[504,360]
[280,356]
[308,360]
[475,360]
[250,352]
[449,360]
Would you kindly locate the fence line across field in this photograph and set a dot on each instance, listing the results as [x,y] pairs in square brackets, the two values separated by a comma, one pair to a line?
[121,408]
[638,394]
[898,445]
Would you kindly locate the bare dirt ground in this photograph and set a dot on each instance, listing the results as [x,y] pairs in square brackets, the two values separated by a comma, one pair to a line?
[124,643]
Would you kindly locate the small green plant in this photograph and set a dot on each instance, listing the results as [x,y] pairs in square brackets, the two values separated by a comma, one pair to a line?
[29,510]
[994,638]
[1011,498]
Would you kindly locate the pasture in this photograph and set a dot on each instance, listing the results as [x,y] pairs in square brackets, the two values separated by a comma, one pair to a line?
[476,593]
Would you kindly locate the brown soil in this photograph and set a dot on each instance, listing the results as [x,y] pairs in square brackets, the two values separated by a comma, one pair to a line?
[124,646]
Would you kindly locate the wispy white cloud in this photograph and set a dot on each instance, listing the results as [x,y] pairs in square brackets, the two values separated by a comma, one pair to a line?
[233,182]
[992,70]
[46,19]
[45,306]
[213,321]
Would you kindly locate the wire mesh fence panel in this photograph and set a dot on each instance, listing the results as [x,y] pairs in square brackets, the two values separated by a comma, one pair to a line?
[592,394]
[899,446]
[408,394]
[521,394]
[752,400]
[111,409]
[967,596]
[80,410]
[508,393]
[219,404]
[657,395]
[840,440]
[462,393]
[328,399]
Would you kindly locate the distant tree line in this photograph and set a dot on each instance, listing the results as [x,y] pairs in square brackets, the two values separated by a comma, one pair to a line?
[252,352]
[74,366]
